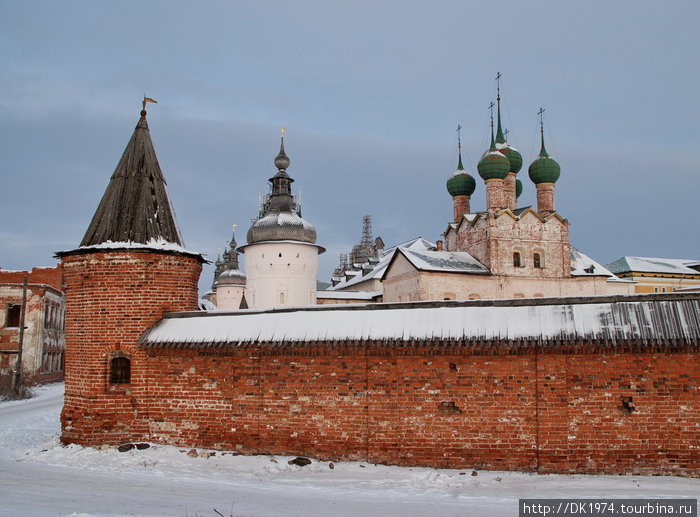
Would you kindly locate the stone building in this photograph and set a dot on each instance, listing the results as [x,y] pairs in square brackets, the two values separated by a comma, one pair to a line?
[43,341]
[228,289]
[130,268]
[503,251]
[658,275]
[281,256]
[590,384]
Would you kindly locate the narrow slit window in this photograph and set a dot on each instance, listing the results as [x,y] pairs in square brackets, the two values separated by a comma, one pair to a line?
[516,259]
[120,370]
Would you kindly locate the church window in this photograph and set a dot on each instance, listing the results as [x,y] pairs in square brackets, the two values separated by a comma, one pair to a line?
[13,314]
[281,298]
[280,254]
[537,260]
[120,370]
[516,259]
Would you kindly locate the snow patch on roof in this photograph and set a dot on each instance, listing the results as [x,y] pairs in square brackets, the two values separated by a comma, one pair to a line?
[446,261]
[348,295]
[583,265]
[611,319]
[158,244]
[653,265]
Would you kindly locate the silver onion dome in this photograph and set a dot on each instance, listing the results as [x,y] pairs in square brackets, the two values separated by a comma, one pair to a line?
[280,220]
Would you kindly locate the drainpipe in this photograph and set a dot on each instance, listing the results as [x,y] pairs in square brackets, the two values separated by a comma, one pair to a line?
[18,364]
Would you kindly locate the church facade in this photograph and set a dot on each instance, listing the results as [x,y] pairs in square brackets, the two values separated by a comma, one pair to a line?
[503,251]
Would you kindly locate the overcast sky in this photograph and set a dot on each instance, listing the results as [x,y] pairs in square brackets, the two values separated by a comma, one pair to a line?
[371,93]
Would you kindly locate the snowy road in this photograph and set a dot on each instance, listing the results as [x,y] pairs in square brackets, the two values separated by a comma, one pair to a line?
[40,478]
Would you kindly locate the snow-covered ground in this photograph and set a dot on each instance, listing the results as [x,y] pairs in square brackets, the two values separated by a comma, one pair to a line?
[39,477]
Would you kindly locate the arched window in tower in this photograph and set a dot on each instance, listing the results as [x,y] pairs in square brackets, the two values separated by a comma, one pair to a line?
[281,298]
[516,259]
[120,370]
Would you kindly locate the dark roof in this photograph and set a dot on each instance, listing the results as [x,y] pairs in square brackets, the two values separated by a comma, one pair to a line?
[135,207]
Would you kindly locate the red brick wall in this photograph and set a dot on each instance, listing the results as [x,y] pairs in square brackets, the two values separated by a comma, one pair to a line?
[480,406]
[111,298]
[558,412]
[51,276]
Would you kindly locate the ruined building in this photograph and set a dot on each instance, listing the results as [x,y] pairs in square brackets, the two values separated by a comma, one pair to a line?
[43,341]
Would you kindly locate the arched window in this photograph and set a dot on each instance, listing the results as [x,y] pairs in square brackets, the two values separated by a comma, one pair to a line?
[516,259]
[120,370]
[537,260]
[281,298]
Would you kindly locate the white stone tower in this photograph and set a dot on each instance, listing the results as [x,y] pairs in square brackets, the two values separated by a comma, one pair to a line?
[281,257]
[229,281]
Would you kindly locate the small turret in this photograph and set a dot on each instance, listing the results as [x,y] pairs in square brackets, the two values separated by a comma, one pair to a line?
[515,159]
[493,169]
[461,185]
[281,255]
[544,172]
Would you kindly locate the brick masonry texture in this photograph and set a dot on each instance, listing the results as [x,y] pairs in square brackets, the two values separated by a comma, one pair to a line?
[111,298]
[560,412]
[579,408]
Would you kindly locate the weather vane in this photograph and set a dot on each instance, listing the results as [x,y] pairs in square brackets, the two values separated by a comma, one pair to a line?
[147,99]
[284,130]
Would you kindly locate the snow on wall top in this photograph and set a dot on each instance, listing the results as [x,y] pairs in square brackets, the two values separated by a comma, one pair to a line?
[156,244]
[607,319]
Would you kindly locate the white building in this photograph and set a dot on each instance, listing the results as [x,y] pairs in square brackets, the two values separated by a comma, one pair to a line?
[281,257]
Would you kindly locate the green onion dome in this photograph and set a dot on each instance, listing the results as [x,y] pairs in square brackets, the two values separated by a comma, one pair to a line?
[493,165]
[544,169]
[518,188]
[461,184]
[514,157]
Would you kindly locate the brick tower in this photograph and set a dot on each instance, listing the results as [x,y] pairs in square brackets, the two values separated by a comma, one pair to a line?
[130,268]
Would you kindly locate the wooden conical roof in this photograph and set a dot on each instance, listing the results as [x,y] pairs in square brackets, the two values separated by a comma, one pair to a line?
[135,207]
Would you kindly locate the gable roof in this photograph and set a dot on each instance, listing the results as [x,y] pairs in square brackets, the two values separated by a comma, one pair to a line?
[653,265]
[419,243]
[583,265]
[135,206]
[442,261]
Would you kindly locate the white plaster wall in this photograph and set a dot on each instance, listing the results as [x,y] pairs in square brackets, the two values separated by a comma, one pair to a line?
[228,297]
[415,285]
[280,274]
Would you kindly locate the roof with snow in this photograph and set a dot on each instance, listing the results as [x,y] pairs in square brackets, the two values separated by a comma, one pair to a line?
[653,265]
[135,207]
[611,320]
[445,261]
[348,295]
[583,265]
[419,243]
